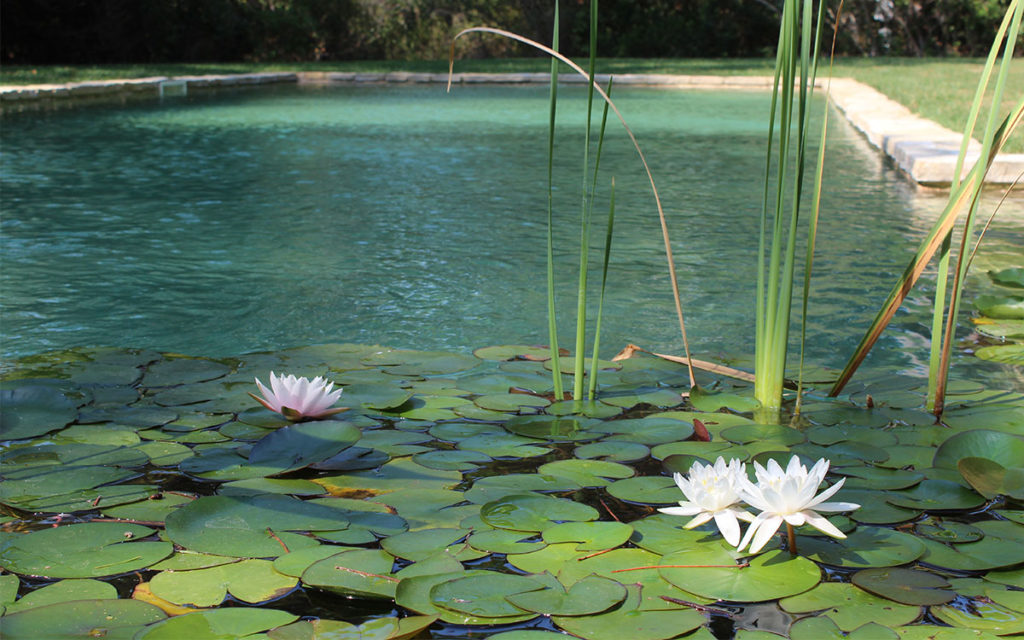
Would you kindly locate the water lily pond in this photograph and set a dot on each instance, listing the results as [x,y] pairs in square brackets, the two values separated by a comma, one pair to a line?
[149,496]
[146,494]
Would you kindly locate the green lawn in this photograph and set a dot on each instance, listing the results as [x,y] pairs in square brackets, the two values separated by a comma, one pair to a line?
[938,88]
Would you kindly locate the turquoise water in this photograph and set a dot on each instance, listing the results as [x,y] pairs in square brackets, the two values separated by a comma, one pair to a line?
[405,216]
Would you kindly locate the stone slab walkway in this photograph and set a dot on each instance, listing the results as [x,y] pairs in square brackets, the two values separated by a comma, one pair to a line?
[923,149]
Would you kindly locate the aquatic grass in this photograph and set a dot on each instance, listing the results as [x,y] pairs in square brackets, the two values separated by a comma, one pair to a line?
[964,195]
[636,146]
[795,66]
[556,369]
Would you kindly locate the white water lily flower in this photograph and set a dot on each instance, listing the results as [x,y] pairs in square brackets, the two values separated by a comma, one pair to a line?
[299,398]
[711,493]
[788,496]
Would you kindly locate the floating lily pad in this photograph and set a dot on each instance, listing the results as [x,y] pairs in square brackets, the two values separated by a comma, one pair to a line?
[504,541]
[454,460]
[251,581]
[982,616]
[771,575]
[258,526]
[494,487]
[589,596]
[865,548]
[511,402]
[87,550]
[399,474]
[217,624]
[649,431]
[361,572]
[303,444]
[31,411]
[1003,353]
[654,490]
[1009,277]
[588,473]
[629,621]
[907,586]
[82,619]
[1000,306]
[553,428]
[632,396]
[706,400]
[613,451]
[484,596]
[998,446]
[513,352]
[534,512]
[936,495]
[424,363]
[850,607]
[503,445]
[590,536]
[948,531]
[61,591]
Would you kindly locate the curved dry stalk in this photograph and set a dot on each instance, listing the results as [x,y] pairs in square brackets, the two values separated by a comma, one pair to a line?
[650,176]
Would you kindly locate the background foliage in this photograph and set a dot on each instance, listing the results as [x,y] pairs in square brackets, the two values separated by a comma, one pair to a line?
[124,31]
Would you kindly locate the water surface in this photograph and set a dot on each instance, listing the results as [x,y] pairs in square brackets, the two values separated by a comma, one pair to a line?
[402,215]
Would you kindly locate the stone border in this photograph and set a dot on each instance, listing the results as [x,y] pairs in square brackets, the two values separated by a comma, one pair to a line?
[924,150]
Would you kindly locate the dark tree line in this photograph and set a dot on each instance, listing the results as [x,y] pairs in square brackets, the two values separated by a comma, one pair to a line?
[125,31]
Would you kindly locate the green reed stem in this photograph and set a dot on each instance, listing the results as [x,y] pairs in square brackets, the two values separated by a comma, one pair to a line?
[556,369]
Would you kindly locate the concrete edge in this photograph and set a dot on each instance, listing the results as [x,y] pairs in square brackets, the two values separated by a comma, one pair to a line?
[923,149]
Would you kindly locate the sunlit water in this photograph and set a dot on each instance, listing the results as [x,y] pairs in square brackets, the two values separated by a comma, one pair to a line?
[405,216]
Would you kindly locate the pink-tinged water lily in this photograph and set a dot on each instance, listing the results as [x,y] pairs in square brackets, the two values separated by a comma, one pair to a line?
[299,398]
[788,496]
[710,493]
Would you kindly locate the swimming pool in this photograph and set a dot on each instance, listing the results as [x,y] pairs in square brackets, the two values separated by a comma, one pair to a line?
[258,219]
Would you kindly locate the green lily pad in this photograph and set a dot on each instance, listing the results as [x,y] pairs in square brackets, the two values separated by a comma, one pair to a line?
[218,624]
[769,576]
[629,621]
[169,372]
[534,512]
[878,478]
[88,550]
[418,545]
[613,451]
[850,607]
[710,401]
[590,536]
[1004,353]
[776,434]
[513,352]
[907,586]
[62,591]
[258,526]
[423,363]
[81,619]
[936,495]
[395,443]
[32,410]
[484,596]
[632,396]
[1009,277]
[251,581]
[399,474]
[867,547]
[553,428]
[997,446]
[648,431]
[584,409]
[504,541]
[589,596]
[948,531]
[449,459]
[1002,546]
[587,473]
[375,396]
[1000,306]
[495,487]
[1000,329]
[300,445]
[982,616]
[653,490]
[362,573]
[503,445]
[511,402]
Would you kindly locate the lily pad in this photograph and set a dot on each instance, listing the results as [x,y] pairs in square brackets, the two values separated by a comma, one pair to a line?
[629,621]
[850,607]
[300,445]
[1009,277]
[424,363]
[867,547]
[362,573]
[32,410]
[251,581]
[218,624]
[62,591]
[589,596]
[1005,353]
[769,576]
[534,512]
[88,550]
[1000,306]
[82,619]
[484,596]
[997,446]
[907,586]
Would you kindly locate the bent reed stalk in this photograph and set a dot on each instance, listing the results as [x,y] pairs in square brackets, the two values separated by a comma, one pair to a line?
[636,146]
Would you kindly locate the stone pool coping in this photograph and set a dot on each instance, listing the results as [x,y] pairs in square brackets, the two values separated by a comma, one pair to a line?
[923,149]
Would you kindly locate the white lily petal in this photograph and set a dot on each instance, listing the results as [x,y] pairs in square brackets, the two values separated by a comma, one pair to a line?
[836,506]
[765,533]
[684,510]
[729,526]
[699,520]
[822,524]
